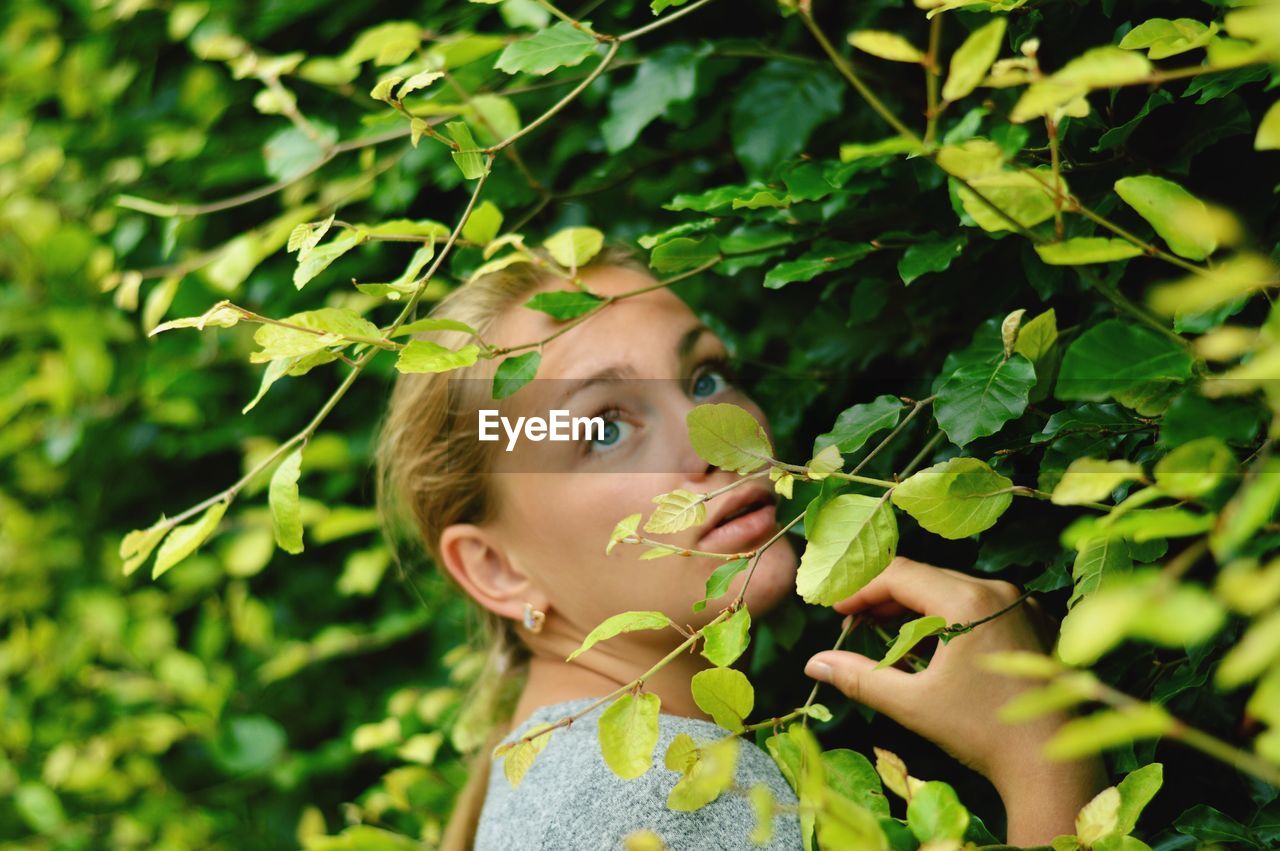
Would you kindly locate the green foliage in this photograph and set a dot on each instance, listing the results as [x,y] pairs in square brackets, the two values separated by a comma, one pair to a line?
[158,161]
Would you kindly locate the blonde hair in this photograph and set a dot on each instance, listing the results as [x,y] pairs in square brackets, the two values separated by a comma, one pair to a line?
[426,482]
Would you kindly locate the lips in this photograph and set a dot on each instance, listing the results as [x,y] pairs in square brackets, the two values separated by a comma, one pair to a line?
[747,521]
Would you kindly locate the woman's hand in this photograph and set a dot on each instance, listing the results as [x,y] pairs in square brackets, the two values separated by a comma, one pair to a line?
[954,701]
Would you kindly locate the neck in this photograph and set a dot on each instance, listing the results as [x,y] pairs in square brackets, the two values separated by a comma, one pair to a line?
[552,680]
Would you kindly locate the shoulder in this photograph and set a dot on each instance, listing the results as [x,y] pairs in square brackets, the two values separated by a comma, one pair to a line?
[570,798]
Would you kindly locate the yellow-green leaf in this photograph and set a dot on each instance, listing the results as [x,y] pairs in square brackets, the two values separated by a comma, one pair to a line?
[724,642]
[618,624]
[955,499]
[286,512]
[1093,479]
[185,540]
[972,60]
[910,634]
[1086,249]
[728,437]
[1176,214]
[628,734]
[426,356]
[853,539]
[573,247]
[886,45]
[725,694]
[625,529]
[676,511]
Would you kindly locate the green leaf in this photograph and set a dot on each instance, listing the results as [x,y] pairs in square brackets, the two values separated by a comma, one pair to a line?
[1236,277]
[1092,480]
[728,437]
[1099,817]
[978,399]
[1037,341]
[1136,791]
[725,694]
[676,511]
[852,775]
[515,372]
[618,624]
[626,528]
[1086,249]
[561,45]
[1162,38]
[724,642]
[886,45]
[1175,214]
[431,323]
[719,580]
[1268,137]
[628,734]
[1025,197]
[315,330]
[574,247]
[426,356]
[1114,356]
[564,304]
[972,60]
[286,513]
[955,499]
[682,253]
[517,761]
[934,812]
[859,423]
[468,157]
[824,463]
[666,77]
[829,258]
[1108,729]
[315,261]
[1094,563]
[1194,469]
[801,97]
[894,145]
[910,634]
[708,778]
[136,546]
[852,540]
[1255,503]
[291,153]
[483,224]
[931,255]
[185,540]
[1258,649]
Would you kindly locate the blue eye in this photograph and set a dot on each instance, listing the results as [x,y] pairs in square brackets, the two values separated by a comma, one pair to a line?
[615,430]
[709,383]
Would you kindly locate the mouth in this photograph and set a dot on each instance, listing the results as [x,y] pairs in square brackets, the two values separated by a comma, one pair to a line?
[743,527]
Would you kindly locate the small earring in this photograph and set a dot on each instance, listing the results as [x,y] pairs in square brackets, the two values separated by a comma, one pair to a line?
[533,618]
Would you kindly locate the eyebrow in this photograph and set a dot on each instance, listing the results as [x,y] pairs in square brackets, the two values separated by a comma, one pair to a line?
[618,372]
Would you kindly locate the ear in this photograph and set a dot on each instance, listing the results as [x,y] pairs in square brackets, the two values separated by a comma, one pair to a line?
[476,560]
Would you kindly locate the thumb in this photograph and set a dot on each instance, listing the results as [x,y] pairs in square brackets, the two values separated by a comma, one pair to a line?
[885,690]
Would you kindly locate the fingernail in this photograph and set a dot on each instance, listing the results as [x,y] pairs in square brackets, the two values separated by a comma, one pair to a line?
[818,670]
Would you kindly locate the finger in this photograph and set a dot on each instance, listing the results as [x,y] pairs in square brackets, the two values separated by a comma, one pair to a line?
[887,690]
[919,587]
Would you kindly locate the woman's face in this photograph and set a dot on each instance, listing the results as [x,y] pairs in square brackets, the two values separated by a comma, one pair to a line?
[642,363]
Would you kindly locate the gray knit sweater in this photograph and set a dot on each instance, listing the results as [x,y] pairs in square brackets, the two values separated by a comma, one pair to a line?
[571,801]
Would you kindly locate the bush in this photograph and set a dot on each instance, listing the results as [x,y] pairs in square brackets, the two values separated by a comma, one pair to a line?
[1038,236]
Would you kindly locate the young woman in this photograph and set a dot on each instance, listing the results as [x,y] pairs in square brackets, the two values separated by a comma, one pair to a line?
[523,534]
